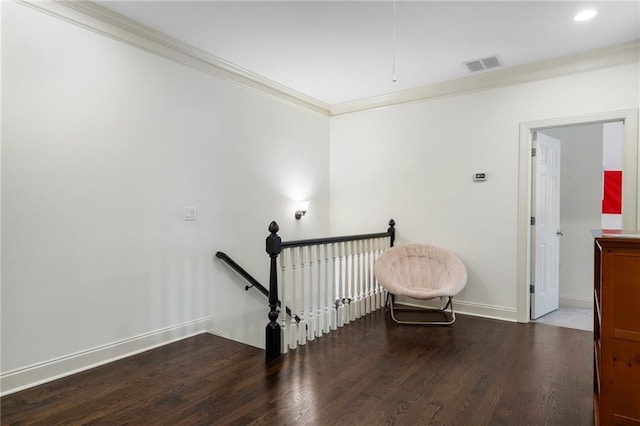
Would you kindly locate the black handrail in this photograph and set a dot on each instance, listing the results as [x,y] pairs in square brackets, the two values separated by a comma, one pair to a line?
[391,232]
[247,276]
[240,270]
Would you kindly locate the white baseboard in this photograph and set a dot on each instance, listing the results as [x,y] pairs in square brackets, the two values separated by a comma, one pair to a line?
[470,308]
[219,333]
[486,311]
[33,375]
[577,302]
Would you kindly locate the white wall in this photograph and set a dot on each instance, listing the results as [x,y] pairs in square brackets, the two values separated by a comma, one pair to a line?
[612,160]
[580,209]
[103,146]
[414,163]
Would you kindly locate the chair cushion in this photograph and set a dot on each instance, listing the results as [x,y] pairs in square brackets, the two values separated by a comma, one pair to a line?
[420,271]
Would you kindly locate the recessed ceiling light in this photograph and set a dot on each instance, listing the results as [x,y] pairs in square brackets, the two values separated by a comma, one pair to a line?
[585,15]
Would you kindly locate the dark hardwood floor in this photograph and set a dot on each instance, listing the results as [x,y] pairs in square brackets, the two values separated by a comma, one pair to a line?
[478,372]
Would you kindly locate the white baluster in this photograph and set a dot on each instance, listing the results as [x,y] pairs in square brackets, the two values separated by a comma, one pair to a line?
[333,282]
[293,328]
[384,244]
[320,290]
[311,318]
[375,305]
[328,285]
[303,325]
[376,253]
[363,279]
[387,245]
[367,276]
[282,285]
[361,282]
[341,285]
[374,282]
[354,281]
[347,282]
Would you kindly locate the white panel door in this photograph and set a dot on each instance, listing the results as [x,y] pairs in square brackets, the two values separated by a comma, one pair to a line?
[546,230]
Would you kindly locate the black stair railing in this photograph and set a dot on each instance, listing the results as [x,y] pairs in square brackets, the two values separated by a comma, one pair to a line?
[274,246]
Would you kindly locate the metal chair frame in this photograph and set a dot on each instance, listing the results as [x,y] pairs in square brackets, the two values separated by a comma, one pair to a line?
[393,308]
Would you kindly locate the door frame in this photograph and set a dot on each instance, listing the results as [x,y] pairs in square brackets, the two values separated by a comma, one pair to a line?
[630,185]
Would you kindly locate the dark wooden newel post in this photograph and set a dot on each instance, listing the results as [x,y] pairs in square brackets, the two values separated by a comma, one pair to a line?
[392,230]
[274,247]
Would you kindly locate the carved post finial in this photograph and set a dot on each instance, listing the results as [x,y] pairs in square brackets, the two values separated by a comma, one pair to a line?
[274,228]
[392,231]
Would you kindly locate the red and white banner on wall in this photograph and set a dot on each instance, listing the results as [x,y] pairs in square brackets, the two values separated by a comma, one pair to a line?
[612,143]
[612,194]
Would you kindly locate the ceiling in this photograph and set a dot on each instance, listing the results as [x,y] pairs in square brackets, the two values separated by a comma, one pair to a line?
[340,51]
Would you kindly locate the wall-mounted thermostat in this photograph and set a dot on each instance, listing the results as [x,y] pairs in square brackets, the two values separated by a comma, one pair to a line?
[480,176]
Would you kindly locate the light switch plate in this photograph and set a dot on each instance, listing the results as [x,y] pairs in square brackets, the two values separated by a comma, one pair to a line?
[190,213]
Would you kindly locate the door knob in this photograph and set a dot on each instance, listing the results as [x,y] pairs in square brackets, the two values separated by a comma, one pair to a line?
[559,233]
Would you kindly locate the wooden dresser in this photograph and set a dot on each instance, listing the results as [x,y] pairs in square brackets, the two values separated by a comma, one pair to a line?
[616,333]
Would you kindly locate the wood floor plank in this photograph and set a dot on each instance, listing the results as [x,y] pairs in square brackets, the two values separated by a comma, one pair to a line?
[373,371]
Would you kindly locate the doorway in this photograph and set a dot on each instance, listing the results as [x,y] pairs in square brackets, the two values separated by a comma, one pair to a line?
[580,189]
[630,184]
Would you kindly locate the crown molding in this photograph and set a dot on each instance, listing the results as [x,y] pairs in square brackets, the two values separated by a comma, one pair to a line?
[106,22]
[596,59]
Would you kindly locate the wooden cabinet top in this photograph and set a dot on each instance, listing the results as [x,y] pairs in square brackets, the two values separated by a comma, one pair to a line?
[617,238]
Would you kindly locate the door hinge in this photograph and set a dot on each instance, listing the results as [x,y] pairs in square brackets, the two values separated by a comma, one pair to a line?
[532,288]
[533,152]
[533,220]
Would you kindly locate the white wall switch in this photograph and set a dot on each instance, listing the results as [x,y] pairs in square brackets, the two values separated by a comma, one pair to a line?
[190,213]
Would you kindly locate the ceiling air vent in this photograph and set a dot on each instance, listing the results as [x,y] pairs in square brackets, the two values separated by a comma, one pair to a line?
[483,64]
[474,66]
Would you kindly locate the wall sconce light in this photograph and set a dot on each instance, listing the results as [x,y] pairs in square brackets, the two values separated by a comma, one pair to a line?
[303,207]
